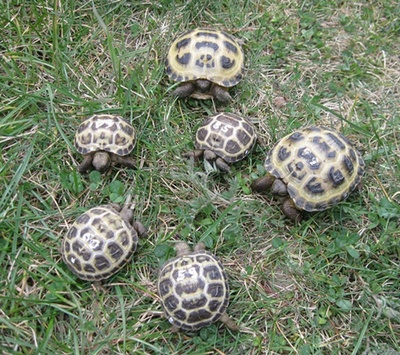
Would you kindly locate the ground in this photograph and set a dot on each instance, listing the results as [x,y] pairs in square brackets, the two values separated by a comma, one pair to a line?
[327,285]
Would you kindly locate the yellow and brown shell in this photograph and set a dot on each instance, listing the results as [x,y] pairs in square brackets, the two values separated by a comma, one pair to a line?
[99,243]
[110,133]
[194,290]
[205,53]
[319,166]
[228,135]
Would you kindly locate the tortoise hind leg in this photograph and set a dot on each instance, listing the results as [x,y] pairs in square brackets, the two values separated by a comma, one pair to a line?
[174,329]
[182,248]
[200,246]
[229,322]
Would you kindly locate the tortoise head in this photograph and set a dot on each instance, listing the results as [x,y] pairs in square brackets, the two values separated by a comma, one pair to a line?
[101,161]
[203,84]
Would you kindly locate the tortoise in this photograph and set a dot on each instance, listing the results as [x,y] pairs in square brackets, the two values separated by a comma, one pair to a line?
[315,167]
[194,290]
[103,139]
[224,138]
[207,62]
[101,241]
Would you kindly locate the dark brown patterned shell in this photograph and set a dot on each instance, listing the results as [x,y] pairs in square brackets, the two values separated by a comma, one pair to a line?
[194,290]
[98,244]
[319,165]
[105,132]
[205,53]
[228,135]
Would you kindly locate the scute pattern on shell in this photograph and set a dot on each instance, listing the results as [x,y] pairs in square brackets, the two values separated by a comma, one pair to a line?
[105,132]
[228,135]
[194,290]
[319,165]
[98,244]
[206,54]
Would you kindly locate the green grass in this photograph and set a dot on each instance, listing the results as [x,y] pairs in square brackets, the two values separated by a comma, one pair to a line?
[329,285]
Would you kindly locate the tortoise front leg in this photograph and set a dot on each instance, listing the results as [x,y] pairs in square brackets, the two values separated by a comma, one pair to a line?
[219,162]
[140,229]
[128,162]
[86,163]
[185,89]
[194,154]
[222,165]
[221,94]
[263,183]
[291,211]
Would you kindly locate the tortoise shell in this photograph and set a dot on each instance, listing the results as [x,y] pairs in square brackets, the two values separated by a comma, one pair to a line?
[205,53]
[228,135]
[319,166]
[99,243]
[194,290]
[109,133]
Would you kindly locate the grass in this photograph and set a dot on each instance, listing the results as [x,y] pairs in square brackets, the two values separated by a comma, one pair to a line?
[328,285]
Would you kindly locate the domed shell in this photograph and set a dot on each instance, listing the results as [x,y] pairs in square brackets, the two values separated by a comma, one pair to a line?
[205,53]
[228,135]
[319,165]
[194,290]
[99,243]
[110,133]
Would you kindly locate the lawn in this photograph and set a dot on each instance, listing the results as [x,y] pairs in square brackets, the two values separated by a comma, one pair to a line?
[327,285]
